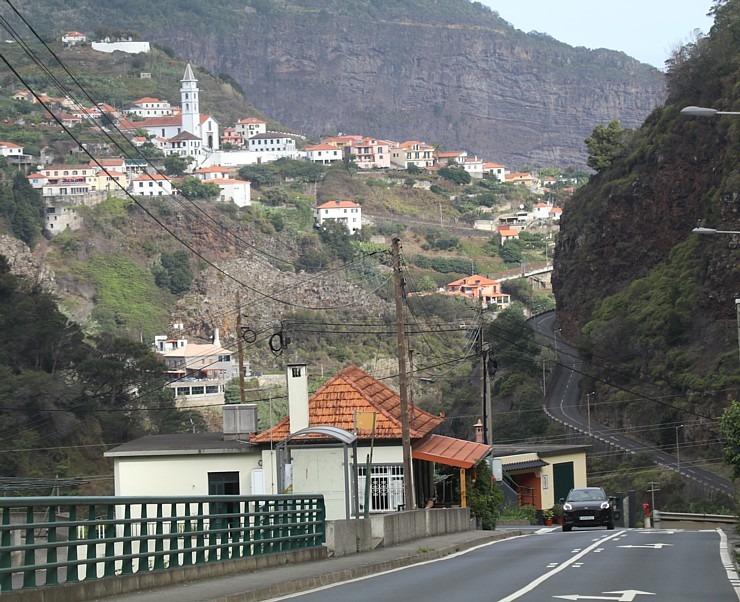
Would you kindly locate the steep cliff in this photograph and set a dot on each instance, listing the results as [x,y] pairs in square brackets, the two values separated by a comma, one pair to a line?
[447,72]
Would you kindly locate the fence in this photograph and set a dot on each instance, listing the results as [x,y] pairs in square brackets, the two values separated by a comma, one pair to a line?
[71,539]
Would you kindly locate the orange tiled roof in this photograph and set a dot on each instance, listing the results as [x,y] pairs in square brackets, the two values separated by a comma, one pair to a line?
[351,390]
[337,204]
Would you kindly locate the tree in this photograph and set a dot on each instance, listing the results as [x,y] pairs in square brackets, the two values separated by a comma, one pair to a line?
[259,175]
[455,174]
[605,144]
[175,165]
[511,251]
[174,272]
[729,425]
[413,169]
[275,197]
[193,188]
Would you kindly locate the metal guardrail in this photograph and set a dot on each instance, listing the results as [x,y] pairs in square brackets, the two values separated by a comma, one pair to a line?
[668,520]
[71,539]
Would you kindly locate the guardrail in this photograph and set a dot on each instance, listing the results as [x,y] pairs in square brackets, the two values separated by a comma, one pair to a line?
[72,539]
[684,520]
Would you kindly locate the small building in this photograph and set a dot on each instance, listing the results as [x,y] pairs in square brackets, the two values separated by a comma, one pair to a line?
[272,142]
[8,149]
[414,153]
[150,107]
[325,154]
[248,127]
[151,185]
[494,170]
[71,38]
[348,213]
[369,153]
[479,287]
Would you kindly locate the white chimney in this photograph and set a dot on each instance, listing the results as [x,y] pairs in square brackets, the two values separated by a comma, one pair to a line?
[216,339]
[296,378]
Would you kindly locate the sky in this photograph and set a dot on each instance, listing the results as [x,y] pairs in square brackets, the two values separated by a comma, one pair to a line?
[648,30]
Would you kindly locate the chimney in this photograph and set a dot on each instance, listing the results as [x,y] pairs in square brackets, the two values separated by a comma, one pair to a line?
[216,339]
[478,431]
[296,378]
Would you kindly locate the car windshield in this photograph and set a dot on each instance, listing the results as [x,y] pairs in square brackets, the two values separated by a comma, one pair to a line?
[586,495]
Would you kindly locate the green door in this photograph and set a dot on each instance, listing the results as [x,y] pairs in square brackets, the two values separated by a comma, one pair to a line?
[562,474]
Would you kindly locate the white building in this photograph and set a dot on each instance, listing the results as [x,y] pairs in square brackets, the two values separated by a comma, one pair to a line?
[324,154]
[71,38]
[272,142]
[150,107]
[151,185]
[8,149]
[250,126]
[348,213]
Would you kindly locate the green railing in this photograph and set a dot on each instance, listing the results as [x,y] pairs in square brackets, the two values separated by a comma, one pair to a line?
[52,540]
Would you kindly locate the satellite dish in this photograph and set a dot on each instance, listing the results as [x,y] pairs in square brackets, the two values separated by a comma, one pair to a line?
[521,206]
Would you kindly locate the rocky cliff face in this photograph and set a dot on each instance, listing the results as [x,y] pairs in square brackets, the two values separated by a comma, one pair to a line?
[447,72]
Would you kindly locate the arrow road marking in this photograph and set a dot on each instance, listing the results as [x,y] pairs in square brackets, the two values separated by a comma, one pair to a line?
[653,546]
[626,595]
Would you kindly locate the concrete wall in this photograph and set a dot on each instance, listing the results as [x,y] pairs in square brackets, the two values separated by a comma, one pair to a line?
[384,530]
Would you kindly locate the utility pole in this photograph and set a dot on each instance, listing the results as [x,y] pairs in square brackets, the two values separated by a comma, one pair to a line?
[240,348]
[408,485]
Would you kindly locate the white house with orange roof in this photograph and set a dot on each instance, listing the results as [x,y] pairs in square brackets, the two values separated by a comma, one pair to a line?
[472,165]
[250,126]
[238,192]
[370,153]
[555,214]
[412,152]
[325,154]
[150,107]
[70,38]
[494,170]
[507,233]
[525,179]
[348,213]
[341,140]
[447,157]
[8,149]
[479,287]
[542,210]
[151,185]
[213,172]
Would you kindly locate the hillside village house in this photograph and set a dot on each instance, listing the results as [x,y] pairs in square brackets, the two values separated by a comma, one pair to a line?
[369,153]
[325,154]
[198,373]
[494,170]
[151,185]
[507,233]
[238,192]
[348,213]
[8,149]
[71,38]
[272,142]
[150,107]
[309,451]
[412,153]
[474,166]
[480,287]
[341,140]
[248,127]
[449,157]
[230,136]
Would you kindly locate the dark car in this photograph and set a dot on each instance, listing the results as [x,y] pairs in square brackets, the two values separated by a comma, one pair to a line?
[587,507]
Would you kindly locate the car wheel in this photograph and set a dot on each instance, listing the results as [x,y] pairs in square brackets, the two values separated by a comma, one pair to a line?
[567,527]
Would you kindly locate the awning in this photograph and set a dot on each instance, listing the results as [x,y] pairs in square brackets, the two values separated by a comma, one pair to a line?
[449,451]
[524,465]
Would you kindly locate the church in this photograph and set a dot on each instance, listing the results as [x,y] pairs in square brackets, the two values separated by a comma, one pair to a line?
[187,134]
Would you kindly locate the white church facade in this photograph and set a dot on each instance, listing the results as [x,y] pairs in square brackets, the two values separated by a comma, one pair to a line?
[172,130]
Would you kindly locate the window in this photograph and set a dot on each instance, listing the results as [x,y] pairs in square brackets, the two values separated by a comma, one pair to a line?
[386,487]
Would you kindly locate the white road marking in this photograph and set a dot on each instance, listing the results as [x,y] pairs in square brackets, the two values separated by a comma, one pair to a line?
[724,555]
[542,578]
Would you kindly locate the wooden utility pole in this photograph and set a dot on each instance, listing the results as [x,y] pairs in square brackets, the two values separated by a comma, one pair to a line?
[408,484]
[240,348]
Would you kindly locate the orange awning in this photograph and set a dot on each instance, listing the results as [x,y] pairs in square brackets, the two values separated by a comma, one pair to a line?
[449,451]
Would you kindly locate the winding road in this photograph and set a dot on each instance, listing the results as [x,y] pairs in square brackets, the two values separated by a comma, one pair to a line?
[562,405]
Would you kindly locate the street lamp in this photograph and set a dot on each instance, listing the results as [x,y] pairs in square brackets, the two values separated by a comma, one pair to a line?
[705,112]
[713,231]
[678,457]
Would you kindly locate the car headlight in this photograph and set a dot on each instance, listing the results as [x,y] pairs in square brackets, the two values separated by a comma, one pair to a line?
[604,505]
[567,506]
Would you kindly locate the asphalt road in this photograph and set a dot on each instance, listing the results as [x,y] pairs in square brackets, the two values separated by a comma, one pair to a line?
[622,565]
[562,404]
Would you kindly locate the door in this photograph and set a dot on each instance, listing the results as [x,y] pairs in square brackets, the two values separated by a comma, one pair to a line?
[562,474]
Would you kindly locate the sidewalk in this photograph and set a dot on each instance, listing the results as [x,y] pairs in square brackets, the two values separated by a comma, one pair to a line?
[270,583]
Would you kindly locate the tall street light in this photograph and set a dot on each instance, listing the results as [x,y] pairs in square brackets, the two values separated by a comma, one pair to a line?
[678,457]
[737,301]
[705,112]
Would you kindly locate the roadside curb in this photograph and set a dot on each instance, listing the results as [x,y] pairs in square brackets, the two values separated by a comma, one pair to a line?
[330,578]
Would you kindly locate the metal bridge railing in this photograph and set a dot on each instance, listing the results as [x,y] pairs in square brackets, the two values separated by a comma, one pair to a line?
[52,540]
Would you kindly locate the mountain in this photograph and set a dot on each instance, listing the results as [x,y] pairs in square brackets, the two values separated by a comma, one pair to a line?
[653,306]
[448,72]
